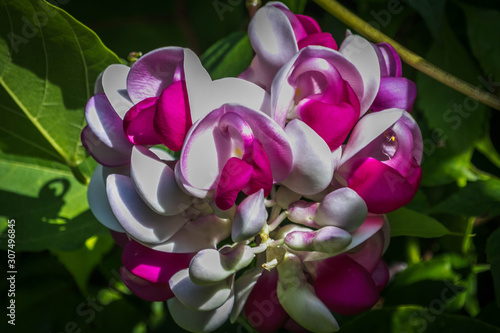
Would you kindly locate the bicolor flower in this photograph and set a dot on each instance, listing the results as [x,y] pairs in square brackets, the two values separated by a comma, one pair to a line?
[233,149]
[277,35]
[381,160]
[328,90]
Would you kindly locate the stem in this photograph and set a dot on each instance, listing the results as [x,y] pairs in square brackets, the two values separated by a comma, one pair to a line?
[412,59]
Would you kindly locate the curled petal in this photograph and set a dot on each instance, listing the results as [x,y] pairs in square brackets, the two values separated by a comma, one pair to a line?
[381,275]
[102,153]
[390,62]
[138,123]
[250,218]
[395,92]
[321,39]
[312,168]
[114,85]
[199,321]
[331,240]
[310,25]
[203,233]
[343,208]
[138,220]
[196,297]
[153,72]
[210,265]
[233,178]
[362,54]
[303,212]
[98,201]
[156,184]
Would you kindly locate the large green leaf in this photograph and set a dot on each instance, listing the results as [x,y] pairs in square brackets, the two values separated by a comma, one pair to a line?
[49,205]
[229,56]
[493,253]
[415,319]
[407,222]
[483,39]
[476,199]
[48,65]
[296,6]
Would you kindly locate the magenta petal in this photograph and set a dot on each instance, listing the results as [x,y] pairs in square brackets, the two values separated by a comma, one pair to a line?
[149,291]
[371,252]
[102,153]
[173,118]
[381,275]
[395,92]
[381,187]
[138,123]
[298,27]
[322,39]
[332,122]
[390,62]
[345,286]
[153,266]
[310,25]
[153,72]
[263,309]
[234,177]
[261,175]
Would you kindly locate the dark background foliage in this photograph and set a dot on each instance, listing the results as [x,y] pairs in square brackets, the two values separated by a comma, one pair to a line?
[67,264]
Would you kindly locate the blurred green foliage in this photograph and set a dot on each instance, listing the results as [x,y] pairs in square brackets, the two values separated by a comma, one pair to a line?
[68,280]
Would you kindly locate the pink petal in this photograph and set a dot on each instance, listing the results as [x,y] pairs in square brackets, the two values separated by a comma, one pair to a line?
[381,275]
[332,122]
[153,72]
[298,28]
[153,266]
[138,123]
[390,62]
[322,39]
[262,177]
[370,253]
[263,309]
[234,177]
[395,92]
[172,121]
[381,187]
[149,291]
[345,286]
[310,25]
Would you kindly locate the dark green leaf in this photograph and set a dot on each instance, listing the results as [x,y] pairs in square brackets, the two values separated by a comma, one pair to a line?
[414,319]
[444,166]
[483,39]
[493,253]
[476,199]
[48,65]
[296,6]
[49,205]
[229,56]
[407,222]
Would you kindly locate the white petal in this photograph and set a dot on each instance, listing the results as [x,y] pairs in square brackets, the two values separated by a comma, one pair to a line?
[203,298]
[362,54]
[98,201]
[138,220]
[313,165]
[250,218]
[368,129]
[114,82]
[199,321]
[156,183]
[242,289]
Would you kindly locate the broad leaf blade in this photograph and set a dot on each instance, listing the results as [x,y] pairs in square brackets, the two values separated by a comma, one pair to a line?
[48,65]
[49,205]
[407,222]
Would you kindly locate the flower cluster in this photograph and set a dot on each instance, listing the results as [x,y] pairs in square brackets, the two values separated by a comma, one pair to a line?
[261,195]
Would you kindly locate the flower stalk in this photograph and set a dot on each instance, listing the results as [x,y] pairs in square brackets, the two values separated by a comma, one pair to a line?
[412,59]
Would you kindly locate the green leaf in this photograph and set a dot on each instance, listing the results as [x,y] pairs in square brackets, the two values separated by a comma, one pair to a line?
[476,199]
[296,6]
[415,319]
[50,207]
[407,222]
[444,166]
[486,147]
[81,263]
[493,254]
[48,65]
[483,41]
[229,56]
